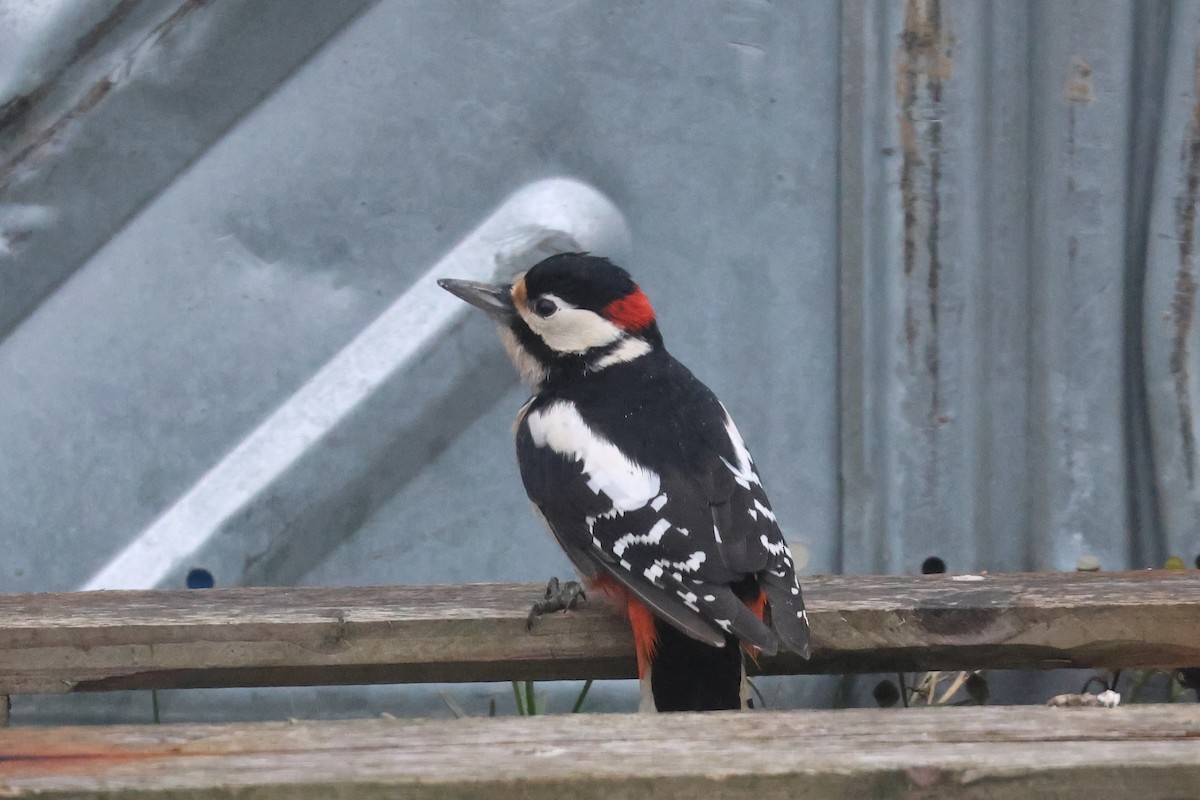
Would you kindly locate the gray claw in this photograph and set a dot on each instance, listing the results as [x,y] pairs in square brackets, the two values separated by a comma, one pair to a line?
[559,597]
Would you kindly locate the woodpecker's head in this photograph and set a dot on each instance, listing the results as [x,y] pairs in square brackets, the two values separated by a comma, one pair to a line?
[571,314]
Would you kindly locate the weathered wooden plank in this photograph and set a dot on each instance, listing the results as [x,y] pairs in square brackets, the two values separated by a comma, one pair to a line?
[1147,752]
[275,636]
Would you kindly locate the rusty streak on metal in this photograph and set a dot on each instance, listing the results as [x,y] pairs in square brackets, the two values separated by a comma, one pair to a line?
[1183,304]
[924,67]
[89,101]
[164,28]
[84,44]
[18,107]
[935,215]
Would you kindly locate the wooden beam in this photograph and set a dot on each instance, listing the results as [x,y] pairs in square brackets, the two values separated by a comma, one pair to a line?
[999,753]
[53,643]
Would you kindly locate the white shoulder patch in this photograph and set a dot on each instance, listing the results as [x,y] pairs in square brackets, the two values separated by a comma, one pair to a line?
[627,484]
[743,470]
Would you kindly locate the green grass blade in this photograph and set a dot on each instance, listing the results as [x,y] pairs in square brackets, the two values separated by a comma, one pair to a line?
[582,696]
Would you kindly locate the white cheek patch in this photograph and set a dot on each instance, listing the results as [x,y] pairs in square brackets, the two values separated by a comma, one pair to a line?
[627,484]
[571,329]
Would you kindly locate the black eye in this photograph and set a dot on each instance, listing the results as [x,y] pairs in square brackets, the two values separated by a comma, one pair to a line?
[544,307]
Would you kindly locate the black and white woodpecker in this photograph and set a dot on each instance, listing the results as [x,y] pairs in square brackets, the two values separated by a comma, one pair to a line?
[644,480]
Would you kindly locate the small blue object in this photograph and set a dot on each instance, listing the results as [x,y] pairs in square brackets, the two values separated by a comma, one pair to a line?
[199,578]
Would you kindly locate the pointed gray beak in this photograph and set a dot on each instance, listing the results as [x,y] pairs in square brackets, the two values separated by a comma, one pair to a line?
[493,299]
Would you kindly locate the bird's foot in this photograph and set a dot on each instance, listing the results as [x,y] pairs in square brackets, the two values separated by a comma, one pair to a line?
[558,597]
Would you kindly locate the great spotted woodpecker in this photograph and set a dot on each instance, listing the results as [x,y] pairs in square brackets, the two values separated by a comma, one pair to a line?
[644,480]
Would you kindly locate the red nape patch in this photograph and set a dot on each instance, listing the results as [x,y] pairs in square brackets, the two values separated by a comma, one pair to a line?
[645,636]
[632,312]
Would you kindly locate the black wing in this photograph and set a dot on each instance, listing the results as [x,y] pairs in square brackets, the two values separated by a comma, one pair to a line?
[677,535]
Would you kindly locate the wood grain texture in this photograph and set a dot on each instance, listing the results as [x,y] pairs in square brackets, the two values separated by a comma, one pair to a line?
[1143,752]
[53,643]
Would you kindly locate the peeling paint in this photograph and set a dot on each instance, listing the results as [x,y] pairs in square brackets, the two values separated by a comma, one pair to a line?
[1079,83]
[1183,304]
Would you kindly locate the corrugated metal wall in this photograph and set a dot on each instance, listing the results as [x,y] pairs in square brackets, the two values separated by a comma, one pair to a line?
[1016,284]
[935,255]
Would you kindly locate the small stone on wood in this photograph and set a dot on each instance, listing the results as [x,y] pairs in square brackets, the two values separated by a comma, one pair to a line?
[1106,699]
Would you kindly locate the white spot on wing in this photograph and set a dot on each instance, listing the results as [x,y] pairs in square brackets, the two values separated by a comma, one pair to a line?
[691,565]
[658,502]
[653,573]
[724,624]
[774,549]
[766,512]
[627,484]
[689,600]
[652,536]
